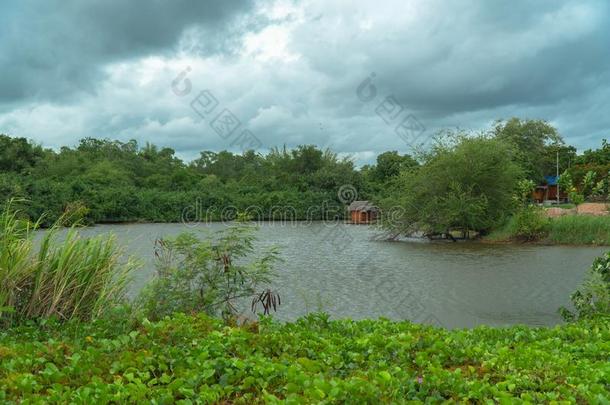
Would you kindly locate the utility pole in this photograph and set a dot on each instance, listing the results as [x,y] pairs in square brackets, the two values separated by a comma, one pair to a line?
[557,179]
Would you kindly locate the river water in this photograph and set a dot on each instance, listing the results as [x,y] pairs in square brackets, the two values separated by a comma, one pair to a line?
[341,269]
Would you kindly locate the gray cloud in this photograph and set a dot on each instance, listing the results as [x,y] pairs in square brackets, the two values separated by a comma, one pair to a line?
[58,48]
[289,70]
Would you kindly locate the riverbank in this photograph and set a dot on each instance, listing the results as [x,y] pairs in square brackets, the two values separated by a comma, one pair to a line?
[195,358]
[576,230]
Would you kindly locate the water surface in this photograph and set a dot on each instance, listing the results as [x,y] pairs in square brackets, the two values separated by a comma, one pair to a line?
[342,270]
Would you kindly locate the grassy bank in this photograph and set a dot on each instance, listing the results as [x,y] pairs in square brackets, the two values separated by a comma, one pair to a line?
[580,230]
[565,230]
[314,360]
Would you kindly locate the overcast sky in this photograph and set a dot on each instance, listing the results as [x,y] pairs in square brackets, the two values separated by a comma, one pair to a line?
[292,72]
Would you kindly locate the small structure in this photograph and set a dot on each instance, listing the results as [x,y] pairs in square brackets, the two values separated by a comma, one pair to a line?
[362,212]
[548,191]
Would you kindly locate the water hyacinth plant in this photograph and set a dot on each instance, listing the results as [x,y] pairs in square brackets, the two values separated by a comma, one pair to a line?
[186,359]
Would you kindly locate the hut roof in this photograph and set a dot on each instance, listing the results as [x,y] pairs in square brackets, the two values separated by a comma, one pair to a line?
[362,206]
[551,180]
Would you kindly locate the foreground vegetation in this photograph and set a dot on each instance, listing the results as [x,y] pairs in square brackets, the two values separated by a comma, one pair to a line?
[199,359]
[75,278]
[69,337]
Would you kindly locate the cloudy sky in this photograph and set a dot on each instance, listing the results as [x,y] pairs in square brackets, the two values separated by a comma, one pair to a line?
[294,72]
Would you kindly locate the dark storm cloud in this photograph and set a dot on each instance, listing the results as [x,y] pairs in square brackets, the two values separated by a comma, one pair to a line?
[289,69]
[55,48]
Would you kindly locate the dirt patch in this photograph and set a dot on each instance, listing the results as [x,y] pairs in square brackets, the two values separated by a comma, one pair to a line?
[592,209]
[597,209]
[555,212]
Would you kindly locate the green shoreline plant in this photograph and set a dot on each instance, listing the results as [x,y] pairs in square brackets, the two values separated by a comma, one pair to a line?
[63,275]
[563,230]
[212,275]
[592,299]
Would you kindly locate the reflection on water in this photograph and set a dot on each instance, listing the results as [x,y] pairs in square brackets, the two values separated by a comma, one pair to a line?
[342,270]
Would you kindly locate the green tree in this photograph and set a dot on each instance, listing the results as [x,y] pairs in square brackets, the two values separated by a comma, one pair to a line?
[390,164]
[466,184]
[536,143]
[599,156]
[17,154]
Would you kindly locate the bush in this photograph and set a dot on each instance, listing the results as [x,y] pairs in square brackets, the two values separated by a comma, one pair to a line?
[530,224]
[593,298]
[209,276]
[575,197]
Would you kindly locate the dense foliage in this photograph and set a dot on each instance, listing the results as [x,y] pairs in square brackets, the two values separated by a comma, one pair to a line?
[465,184]
[537,145]
[592,160]
[529,224]
[121,181]
[188,359]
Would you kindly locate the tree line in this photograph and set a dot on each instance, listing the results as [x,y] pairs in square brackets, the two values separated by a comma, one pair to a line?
[466,180]
[114,181]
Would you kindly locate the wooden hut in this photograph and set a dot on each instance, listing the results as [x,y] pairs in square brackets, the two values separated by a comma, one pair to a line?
[548,191]
[362,212]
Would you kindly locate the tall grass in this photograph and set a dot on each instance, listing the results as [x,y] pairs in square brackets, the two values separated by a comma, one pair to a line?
[15,259]
[565,230]
[65,276]
[580,230]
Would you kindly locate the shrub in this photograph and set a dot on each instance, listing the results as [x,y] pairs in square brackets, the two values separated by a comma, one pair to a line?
[593,298]
[565,181]
[523,195]
[76,213]
[456,188]
[575,197]
[530,224]
[208,276]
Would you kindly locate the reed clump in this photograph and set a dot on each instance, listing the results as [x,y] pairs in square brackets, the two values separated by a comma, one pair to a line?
[564,230]
[580,230]
[63,275]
